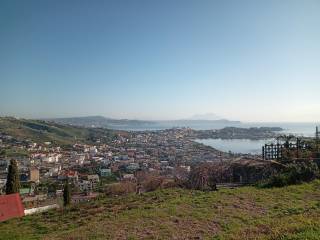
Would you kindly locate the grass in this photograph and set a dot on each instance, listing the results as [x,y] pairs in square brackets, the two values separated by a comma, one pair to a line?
[245,213]
[14,152]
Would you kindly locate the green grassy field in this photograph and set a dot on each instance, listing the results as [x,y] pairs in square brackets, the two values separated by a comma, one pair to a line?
[245,213]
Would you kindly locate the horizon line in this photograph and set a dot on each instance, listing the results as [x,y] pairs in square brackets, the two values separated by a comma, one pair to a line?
[164,120]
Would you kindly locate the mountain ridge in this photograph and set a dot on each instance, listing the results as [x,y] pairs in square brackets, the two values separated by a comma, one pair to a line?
[105,122]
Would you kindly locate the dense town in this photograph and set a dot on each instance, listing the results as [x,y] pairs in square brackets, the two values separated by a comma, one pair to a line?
[44,166]
[127,162]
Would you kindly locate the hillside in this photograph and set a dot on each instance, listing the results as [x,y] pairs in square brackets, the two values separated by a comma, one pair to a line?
[245,213]
[99,121]
[127,124]
[41,131]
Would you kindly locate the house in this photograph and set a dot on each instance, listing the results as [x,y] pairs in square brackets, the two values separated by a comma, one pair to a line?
[123,157]
[2,185]
[105,172]
[34,175]
[164,163]
[115,158]
[3,169]
[24,177]
[53,171]
[133,167]
[72,176]
[93,150]
[51,158]
[4,164]
[24,191]
[85,186]
[78,158]
[187,168]
[105,162]
[131,152]
[94,179]
[129,177]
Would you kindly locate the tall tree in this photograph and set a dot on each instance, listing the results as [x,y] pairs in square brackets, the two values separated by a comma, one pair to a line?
[13,181]
[66,194]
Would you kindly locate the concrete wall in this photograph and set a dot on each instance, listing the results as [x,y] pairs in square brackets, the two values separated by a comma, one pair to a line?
[40,209]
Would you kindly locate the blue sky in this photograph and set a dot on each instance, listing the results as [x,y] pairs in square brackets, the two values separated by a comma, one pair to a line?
[242,60]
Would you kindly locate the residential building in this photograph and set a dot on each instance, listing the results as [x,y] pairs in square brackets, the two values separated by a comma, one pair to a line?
[34,175]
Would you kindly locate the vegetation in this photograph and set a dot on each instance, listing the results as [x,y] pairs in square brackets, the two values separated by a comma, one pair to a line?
[100,121]
[42,131]
[108,179]
[291,212]
[14,152]
[239,133]
[121,188]
[293,173]
[66,194]
[202,178]
[13,181]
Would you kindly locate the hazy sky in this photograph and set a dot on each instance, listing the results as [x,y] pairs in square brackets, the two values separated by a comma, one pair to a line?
[242,60]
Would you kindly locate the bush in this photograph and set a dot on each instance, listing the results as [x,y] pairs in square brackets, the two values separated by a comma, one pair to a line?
[294,173]
[121,188]
[152,183]
[202,177]
[170,184]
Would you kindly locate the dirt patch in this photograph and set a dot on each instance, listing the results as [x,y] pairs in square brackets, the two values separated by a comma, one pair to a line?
[249,206]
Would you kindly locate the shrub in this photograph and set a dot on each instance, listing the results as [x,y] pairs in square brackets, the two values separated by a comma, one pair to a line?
[170,184]
[152,183]
[202,178]
[294,173]
[121,188]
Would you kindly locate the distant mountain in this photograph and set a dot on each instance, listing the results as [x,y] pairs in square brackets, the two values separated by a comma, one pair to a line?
[206,120]
[101,122]
[186,122]
[201,124]
[206,116]
[126,124]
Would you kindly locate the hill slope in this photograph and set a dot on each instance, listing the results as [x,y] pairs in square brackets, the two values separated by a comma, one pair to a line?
[99,121]
[127,124]
[245,213]
[41,131]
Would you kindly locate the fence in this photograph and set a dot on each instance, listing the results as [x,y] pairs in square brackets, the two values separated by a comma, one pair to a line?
[276,151]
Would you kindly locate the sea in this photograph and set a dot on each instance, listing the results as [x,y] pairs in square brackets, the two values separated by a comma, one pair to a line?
[243,146]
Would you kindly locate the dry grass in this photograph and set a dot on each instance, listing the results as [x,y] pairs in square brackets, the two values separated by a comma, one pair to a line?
[246,213]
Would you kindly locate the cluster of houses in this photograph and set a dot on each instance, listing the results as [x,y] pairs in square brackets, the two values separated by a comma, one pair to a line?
[44,167]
